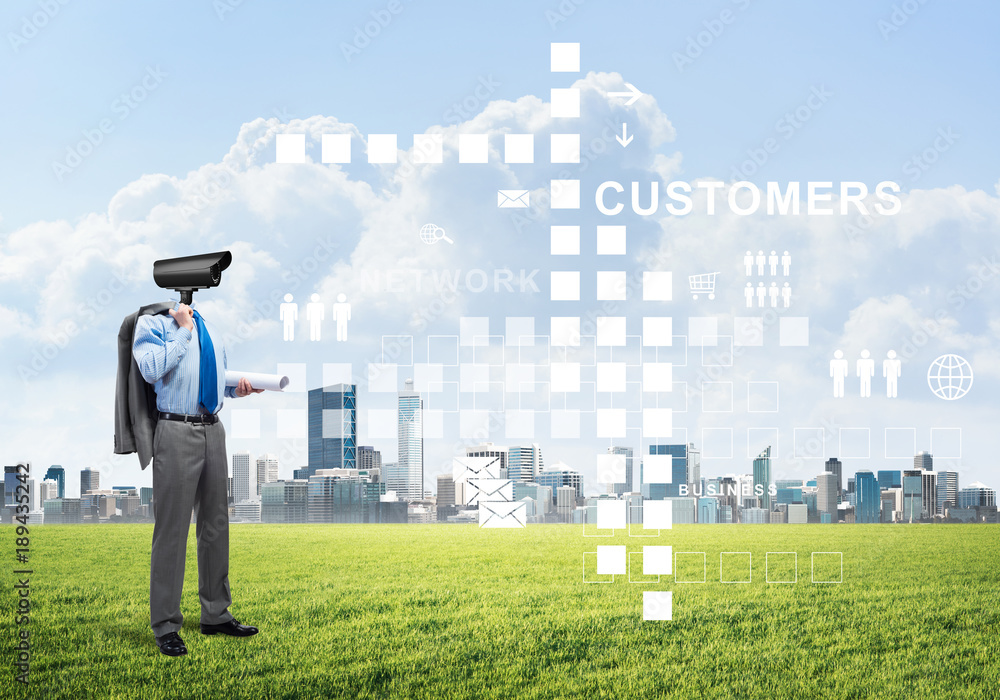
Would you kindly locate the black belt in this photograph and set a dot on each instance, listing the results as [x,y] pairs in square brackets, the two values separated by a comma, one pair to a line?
[204,418]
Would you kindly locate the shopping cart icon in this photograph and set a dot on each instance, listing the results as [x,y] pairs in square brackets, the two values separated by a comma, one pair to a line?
[703,284]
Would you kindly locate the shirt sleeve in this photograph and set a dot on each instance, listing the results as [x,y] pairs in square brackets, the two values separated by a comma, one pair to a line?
[153,352]
[230,391]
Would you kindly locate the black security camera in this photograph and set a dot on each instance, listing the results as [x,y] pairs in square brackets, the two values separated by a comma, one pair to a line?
[185,275]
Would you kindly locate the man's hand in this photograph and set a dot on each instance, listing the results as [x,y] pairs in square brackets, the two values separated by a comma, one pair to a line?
[183,315]
[244,388]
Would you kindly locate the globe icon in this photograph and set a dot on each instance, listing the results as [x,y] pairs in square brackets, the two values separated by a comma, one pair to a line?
[428,233]
[950,377]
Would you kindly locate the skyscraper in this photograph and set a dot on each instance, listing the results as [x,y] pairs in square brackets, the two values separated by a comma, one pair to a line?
[913,489]
[868,508]
[924,461]
[559,475]
[929,503]
[267,470]
[241,477]
[890,479]
[625,486]
[90,480]
[524,462]
[977,495]
[411,443]
[369,458]
[58,474]
[333,429]
[762,478]
[947,490]
[826,495]
[835,466]
[48,489]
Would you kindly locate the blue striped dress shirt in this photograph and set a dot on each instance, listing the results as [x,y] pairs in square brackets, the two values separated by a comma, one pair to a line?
[169,358]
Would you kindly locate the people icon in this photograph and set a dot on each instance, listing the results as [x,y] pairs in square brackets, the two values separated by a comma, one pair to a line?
[786,295]
[315,313]
[760,260]
[838,370]
[773,293]
[288,313]
[772,260]
[892,368]
[341,315]
[761,294]
[786,263]
[748,293]
[748,263]
[866,370]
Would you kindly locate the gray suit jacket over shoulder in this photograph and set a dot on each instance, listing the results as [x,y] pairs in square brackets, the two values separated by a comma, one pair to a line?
[135,398]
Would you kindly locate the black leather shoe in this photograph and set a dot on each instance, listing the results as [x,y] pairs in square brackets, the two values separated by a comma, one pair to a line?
[233,628]
[171,644]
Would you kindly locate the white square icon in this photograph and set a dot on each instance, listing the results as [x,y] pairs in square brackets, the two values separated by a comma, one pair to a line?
[657,331]
[611,514]
[290,148]
[428,148]
[565,240]
[381,148]
[565,285]
[657,285]
[565,57]
[565,148]
[611,331]
[611,285]
[565,103]
[565,194]
[611,240]
[336,148]
[473,148]
[611,560]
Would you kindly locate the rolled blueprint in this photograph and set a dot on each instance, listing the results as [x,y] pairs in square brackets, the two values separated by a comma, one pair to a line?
[258,380]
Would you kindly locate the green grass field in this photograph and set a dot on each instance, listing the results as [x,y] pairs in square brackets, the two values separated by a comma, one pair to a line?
[441,611]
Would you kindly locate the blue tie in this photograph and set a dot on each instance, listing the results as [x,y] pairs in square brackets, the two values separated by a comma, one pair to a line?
[208,375]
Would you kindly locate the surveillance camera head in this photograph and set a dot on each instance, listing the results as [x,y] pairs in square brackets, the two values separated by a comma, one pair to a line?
[185,275]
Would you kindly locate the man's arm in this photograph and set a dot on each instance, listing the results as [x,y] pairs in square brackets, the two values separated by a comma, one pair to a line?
[230,391]
[153,353]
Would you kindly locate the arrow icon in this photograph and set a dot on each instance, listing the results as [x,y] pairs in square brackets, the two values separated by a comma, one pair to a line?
[633,94]
[624,139]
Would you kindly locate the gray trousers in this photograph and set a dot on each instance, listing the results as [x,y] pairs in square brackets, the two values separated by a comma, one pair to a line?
[189,471]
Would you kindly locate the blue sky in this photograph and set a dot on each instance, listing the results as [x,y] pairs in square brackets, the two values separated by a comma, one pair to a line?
[265,59]
[76,248]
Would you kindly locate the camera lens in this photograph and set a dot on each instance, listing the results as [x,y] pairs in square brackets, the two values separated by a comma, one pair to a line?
[216,273]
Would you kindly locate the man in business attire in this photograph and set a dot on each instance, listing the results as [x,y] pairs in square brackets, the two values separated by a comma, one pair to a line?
[176,355]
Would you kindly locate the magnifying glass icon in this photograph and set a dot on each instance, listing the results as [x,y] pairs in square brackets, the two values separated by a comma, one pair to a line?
[432,233]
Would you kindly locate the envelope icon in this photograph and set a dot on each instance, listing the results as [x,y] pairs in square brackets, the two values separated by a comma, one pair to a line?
[512,199]
[502,514]
[480,490]
[463,468]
